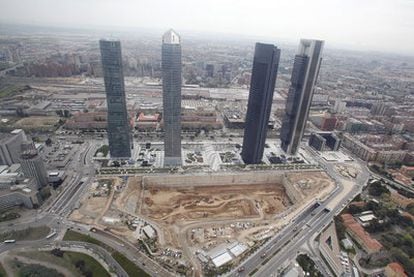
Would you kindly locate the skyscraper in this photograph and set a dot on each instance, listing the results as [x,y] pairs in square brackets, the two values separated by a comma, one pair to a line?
[32,164]
[262,86]
[171,87]
[304,75]
[119,133]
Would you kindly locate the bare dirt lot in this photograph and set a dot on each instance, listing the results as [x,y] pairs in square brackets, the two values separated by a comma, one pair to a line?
[190,212]
[170,205]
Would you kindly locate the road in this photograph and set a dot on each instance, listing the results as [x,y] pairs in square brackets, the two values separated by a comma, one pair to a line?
[266,261]
[282,248]
[82,171]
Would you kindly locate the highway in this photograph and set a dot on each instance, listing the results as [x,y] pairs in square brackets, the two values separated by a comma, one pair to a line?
[268,260]
[282,248]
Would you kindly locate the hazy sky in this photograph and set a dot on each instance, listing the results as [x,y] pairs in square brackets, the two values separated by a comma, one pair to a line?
[384,25]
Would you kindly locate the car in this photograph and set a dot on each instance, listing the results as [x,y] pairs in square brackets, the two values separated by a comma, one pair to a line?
[263,255]
[241,269]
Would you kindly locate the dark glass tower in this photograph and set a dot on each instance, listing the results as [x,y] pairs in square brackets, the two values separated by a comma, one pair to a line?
[304,75]
[262,86]
[119,133]
[171,97]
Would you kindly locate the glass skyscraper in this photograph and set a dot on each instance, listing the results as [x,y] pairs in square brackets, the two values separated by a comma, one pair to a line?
[171,87]
[119,133]
[262,86]
[304,75]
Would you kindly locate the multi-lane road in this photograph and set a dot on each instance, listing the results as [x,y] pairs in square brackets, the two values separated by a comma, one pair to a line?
[82,170]
[270,259]
[266,261]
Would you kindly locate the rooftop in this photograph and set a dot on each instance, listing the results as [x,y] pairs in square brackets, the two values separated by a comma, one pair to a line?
[396,267]
[171,37]
[359,231]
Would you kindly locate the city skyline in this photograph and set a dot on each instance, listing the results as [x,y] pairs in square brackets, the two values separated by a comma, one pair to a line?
[328,20]
[171,153]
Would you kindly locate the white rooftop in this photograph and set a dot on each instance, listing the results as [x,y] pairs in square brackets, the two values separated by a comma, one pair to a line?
[222,259]
[367,218]
[171,37]
[217,251]
[149,231]
[238,249]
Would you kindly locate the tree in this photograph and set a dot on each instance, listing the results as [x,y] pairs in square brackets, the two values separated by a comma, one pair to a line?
[376,189]
[57,252]
[48,142]
[354,209]
[80,264]
[410,208]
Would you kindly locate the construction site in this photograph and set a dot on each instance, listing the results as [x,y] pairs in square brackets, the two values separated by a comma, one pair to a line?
[219,217]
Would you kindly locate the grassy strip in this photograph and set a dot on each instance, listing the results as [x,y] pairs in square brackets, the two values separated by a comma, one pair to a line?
[75,262]
[8,216]
[2,271]
[253,272]
[75,236]
[128,266]
[266,261]
[125,263]
[31,233]
[89,264]
[46,256]
[24,270]
[10,90]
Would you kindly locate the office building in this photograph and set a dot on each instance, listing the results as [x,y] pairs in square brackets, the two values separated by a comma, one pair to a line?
[119,133]
[24,193]
[324,141]
[10,146]
[262,85]
[32,164]
[339,106]
[304,75]
[171,87]
[317,142]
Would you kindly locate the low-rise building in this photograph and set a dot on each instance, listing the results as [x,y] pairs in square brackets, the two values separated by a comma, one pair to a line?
[9,175]
[89,120]
[394,270]
[324,141]
[22,194]
[149,232]
[147,122]
[363,238]
[407,170]
[400,200]
[369,153]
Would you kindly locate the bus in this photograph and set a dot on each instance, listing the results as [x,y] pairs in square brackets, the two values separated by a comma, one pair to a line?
[10,241]
[50,235]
